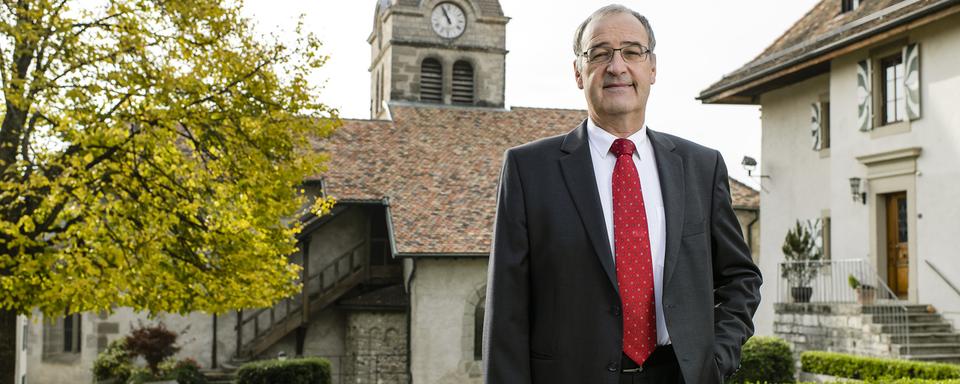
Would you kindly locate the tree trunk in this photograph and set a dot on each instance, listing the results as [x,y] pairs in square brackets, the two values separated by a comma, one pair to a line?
[8,346]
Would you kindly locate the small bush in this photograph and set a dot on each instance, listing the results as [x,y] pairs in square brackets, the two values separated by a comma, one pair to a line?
[310,370]
[155,344]
[765,359]
[113,363]
[872,368]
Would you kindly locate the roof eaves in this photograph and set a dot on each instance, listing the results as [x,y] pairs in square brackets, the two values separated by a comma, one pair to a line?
[720,93]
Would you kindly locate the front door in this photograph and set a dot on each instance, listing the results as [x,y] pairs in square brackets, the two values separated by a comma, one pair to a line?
[898,260]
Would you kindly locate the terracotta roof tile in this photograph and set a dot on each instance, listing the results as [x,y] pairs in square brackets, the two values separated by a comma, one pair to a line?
[824,28]
[743,195]
[439,166]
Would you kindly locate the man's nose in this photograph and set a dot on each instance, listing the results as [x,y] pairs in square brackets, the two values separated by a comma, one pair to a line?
[616,65]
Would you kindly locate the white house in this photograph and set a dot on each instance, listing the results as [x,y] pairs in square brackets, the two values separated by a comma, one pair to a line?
[860,106]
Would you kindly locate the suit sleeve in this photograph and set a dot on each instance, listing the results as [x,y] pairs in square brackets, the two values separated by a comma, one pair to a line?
[506,328]
[736,278]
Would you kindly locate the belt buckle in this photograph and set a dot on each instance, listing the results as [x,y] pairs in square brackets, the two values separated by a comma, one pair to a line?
[632,370]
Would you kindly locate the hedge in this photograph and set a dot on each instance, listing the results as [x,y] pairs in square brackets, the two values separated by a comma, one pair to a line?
[309,370]
[872,368]
[765,359]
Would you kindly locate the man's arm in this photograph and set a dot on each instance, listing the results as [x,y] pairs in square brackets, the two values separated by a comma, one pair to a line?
[736,279]
[506,326]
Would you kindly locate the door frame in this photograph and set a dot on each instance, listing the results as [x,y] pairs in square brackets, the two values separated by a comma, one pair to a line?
[890,172]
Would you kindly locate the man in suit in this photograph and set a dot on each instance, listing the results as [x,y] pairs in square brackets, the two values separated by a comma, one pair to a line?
[617,257]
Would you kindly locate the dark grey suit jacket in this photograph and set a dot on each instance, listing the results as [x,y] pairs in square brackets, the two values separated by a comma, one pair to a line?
[553,307]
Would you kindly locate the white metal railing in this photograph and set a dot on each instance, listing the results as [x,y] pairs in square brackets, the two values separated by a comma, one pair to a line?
[951,314]
[828,282]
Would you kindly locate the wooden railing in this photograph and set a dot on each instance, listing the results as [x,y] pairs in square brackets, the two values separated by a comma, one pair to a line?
[292,312]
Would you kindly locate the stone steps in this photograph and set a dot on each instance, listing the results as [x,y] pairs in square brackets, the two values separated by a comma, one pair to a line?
[927,349]
[911,308]
[953,358]
[923,338]
[914,328]
[897,317]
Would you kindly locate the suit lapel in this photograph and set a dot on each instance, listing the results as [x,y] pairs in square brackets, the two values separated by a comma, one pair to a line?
[577,168]
[670,169]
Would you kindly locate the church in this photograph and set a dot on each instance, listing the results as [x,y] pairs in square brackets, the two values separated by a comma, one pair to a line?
[394,278]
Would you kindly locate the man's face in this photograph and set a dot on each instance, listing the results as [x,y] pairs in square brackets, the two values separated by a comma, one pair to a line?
[618,87]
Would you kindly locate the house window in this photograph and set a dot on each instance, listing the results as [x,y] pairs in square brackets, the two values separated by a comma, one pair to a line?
[462,83]
[848,5]
[431,81]
[894,106]
[820,125]
[478,331]
[888,89]
[62,337]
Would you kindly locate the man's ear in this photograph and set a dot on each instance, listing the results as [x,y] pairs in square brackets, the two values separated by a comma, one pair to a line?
[576,73]
[653,68]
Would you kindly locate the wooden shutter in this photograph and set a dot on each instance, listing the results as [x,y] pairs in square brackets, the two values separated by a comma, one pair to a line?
[864,96]
[462,83]
[815,128]
[431,81]
[911,80]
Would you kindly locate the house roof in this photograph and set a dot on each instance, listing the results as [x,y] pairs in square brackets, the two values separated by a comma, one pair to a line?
[806,48]
[744,196]
[439,166]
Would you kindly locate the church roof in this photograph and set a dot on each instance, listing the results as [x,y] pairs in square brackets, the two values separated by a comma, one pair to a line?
[806,48]
[439,167]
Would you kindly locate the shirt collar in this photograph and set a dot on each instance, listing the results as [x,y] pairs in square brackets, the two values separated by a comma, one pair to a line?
[601,140]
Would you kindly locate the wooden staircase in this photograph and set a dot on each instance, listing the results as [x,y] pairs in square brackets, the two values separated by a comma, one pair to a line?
[258,329]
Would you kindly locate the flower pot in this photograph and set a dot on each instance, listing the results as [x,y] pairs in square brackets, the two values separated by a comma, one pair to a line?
[866,296]
[801,294]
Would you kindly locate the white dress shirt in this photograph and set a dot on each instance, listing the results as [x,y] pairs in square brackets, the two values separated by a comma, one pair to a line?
[604,162]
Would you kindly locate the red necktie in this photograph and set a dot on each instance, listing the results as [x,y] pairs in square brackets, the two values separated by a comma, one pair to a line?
[634,263]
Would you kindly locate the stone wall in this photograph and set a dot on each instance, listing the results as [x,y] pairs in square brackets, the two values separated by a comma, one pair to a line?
[376,347]
[828,327]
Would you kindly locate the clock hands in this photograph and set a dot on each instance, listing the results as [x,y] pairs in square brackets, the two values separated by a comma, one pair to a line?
[445,15]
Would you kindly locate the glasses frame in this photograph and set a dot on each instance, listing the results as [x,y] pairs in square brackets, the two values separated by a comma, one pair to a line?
[645,52]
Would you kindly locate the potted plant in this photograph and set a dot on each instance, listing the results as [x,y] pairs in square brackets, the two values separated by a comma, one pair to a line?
[866,293]
[802,258]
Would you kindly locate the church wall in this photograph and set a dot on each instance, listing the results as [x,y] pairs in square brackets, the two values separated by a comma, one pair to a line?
[444,296]
[343,232]
[378,340]
[99,329]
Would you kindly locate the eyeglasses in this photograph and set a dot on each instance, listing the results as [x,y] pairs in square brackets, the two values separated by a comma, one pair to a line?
[633,53]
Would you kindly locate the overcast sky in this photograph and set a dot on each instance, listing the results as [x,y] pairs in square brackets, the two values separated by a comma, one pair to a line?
[697,43]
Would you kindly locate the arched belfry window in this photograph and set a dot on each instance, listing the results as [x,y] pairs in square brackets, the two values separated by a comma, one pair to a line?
[478,330]
[462,83]
[431,81]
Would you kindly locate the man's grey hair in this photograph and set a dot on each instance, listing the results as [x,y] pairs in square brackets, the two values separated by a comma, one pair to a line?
[605,11]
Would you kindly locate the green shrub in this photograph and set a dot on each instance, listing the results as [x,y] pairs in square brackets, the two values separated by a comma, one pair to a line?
[765,359]
[872,368]
[310,370]
[113,363]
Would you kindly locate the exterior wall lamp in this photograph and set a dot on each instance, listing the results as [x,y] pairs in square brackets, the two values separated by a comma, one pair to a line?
[858,195]
[750,164]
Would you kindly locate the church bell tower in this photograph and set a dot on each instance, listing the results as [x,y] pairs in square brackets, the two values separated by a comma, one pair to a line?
[446,52]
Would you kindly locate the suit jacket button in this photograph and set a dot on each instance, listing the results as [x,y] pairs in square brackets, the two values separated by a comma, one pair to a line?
[615,310]
[612,367]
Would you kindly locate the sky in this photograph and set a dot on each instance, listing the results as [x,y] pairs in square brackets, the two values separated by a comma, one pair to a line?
[698,41]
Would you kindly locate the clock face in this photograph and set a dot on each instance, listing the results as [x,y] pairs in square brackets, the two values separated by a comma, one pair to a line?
[448,20]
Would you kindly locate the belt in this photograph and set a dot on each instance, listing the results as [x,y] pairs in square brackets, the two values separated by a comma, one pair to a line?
[662,355]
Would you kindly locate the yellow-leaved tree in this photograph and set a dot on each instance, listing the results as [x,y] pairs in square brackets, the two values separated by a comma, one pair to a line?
[150,154]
